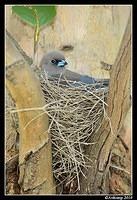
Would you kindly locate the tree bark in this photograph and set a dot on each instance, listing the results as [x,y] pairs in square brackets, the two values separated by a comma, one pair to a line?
[35,160]
[118,104]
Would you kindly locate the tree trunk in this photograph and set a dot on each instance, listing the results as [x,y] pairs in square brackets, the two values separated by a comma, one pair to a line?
[35,160]
[118,104]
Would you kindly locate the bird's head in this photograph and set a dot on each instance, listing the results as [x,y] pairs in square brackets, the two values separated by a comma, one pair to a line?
[53,62]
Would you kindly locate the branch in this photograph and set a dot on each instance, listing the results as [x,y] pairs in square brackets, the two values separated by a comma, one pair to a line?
[118,106]
[18,48]
[34,139]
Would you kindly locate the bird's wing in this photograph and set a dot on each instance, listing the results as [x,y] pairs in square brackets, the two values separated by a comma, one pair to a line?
[73,76]
[78,77]
[104,82]
[84,78]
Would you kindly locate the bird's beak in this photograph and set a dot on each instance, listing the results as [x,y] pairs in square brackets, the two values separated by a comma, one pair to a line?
[62,63]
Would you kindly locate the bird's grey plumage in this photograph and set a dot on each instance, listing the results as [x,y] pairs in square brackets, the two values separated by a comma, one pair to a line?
[53,63]
[49,67]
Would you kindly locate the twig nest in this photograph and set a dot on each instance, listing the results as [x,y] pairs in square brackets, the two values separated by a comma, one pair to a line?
[75,112]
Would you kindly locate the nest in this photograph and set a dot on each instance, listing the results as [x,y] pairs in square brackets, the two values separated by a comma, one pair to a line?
[75,113]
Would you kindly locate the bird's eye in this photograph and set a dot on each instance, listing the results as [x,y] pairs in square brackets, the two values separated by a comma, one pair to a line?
[53,61]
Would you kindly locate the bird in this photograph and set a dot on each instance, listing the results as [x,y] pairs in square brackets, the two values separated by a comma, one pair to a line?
[54,64]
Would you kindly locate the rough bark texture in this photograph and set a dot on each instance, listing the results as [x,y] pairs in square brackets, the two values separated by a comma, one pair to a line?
[118,105]
[35,161]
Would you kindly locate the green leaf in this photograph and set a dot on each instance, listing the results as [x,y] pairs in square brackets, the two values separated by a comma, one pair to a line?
[45,14]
